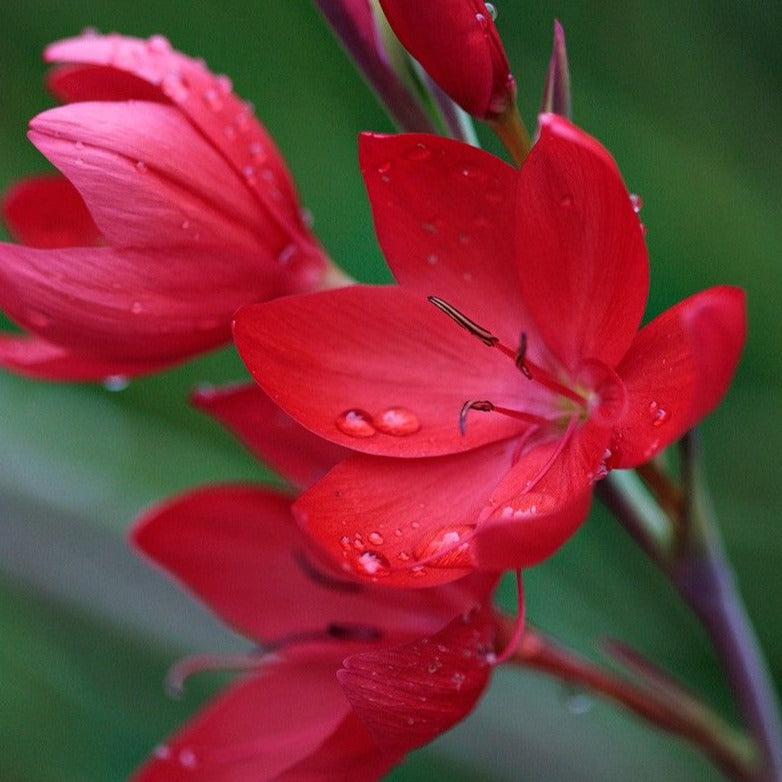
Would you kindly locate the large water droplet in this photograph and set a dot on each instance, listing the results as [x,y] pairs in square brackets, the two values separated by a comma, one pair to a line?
[446,546]
[491,8]
[373,563]
[355,423]
[397,421]
[375,538]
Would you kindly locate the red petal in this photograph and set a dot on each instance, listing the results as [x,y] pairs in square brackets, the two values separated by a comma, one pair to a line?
[368,526]
[409,695]
[542,501]
[127,305]
[133,164]
[273,436]
[238,549]
[443,213]
[458,45]
[37,358]
[583,264]
[72,83]
[206,100]
[47,211]
[372,350]
[677,370]
[350,754]
[257,730]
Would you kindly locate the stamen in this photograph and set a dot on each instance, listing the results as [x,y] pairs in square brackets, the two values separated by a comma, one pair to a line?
[483,334]
[521,355]
[485,406]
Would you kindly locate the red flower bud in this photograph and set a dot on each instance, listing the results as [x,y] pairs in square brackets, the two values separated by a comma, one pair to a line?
[458,45]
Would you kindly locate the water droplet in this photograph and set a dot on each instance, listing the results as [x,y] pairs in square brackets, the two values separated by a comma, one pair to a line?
[384,168]
[430,228]
[397,421]
[637,202]
[355,423]
[79,145]
[490,7]
[136,308]
[116,382]
[287,254]
[448,546]
[432,259]
[187,758]
[566,200]
[212,99]
[419,152]
[257,151]
[467,277]
[373,564]
[224,83]
[481,19]
[458,679]
[659,416]
[175,87]
[464,238]
[375,538]
[307,217]
[162,752]
[185,224]
[141,166]
[434,666]
[158,44]
[248,172]
[229,131]
[578,703]
[403,556]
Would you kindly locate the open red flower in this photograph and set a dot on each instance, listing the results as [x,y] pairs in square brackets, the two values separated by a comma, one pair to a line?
[143,258]
[458,45]
[347,678]
[483,415]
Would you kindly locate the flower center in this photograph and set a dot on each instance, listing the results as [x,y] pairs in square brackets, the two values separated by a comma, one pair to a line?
[574,402]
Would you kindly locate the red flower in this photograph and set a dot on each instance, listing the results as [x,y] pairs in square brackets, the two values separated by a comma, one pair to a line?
[416,662]
[553,252]
[458,45]
[145,264]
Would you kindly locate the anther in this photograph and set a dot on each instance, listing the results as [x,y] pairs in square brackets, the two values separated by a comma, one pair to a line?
[521,355]
[483,334]
[483,405]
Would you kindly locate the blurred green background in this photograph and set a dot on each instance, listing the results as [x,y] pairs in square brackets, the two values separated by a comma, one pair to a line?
[687,95]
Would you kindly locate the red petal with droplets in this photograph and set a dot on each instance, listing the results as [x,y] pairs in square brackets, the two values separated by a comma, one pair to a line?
[458,45]
[47,211]
[414,538]
[259,729]
[677,370]
[238,549]
[127,305]
[271,434]
[542,500]
[368,350]
[443,213]
[583,265]
[409,695]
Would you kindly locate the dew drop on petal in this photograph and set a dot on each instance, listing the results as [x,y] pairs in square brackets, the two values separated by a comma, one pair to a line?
[224,83]
[448,546]
[187,758]
[397,421]
[287,254]
[162,752]
[458,679]
[158,44]
[141,166]
[136,308]
[372,563]
[491,8]
[637,202]
[432,259]
[375,538]
[419,152]
[658,415]
[384,168]
[578,703]
[212,99]
[355,423]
